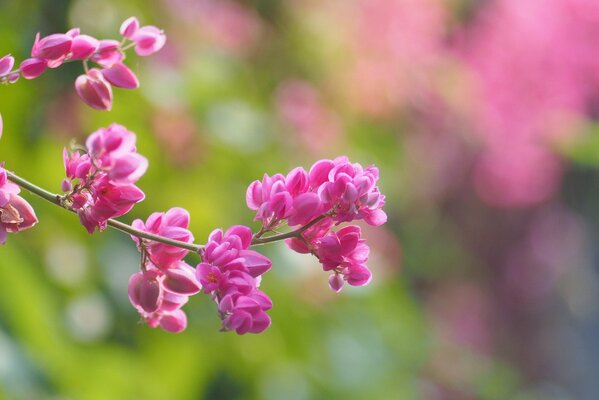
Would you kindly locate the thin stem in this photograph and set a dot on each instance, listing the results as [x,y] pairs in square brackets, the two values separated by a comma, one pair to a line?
[288,235]
[56,199]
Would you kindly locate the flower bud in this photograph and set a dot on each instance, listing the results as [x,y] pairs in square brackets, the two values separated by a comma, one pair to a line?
[6,64]
[148,40]
[336,282]
[52,47]
[83,47]
[32,67]
[94,90]
[129,27]
[66,185]
[121,76]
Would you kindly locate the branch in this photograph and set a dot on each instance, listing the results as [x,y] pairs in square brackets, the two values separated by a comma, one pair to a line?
[113,223]
[288,235]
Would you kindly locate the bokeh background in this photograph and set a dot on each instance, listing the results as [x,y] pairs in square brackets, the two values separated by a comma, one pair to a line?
[483,118]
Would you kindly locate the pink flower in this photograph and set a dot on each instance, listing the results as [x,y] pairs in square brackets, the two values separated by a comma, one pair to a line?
[109,53]
[173,224]
[33,67]
[15,213]
[148,40]
[94,90]
[113,151]
[121,76]
[52,48]
[83,47]
[158,296]
[129,27]
[231,273]
[6,64]
[105,176]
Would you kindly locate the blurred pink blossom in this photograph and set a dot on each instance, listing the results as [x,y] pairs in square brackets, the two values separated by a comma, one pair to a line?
[536,69]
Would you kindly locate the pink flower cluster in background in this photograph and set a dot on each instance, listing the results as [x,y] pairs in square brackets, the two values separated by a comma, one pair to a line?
[536,69]
[333,191]
[165,282]
[101,182]
[16,214]
[231,274]
[95,86]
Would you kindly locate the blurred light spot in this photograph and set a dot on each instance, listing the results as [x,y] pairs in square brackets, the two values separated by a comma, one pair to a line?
[66,262]
[284,383]
[95,17]
[88,317]
[118,260]
[295,265]
[167,91]
[238,125]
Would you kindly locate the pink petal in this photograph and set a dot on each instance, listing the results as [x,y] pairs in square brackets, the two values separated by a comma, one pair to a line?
[94,90]
[129,27]
[32,67]
[121,76]
[174,322]
[6,64]
[83,47]
[243,232]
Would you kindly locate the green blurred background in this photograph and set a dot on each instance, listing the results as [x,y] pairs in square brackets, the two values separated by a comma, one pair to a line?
[474,295]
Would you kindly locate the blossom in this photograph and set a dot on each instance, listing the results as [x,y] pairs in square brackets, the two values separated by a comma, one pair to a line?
[337,187]
[94,87]
[148,40]
[94,90]
[105,176]
[158,295]
[231,273]
[16,214]
[330,193]
[172,224]
[165,283]
[113,151]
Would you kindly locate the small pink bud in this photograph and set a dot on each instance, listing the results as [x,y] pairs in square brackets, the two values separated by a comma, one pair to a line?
[73,33]
[243,232]
[94,90]
[12,78]
[148,40]
[6,64]
[336,282]
[121,76]
[129,27]
[144,291]
[256,263]
[358,275]
[174,322]
[66,185]
[83,47]
[33,67]
[108,53]
[52,47]
[182,280]
[376,218]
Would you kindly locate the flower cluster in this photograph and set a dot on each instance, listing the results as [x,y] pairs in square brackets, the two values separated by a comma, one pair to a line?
[332,192]
[101,182]
[15,213]
[231,273]
[165,282]
[100,185]
[341,190]
[95,86]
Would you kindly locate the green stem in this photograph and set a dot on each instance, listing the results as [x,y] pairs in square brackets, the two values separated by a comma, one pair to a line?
[288,235]
[56,199]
